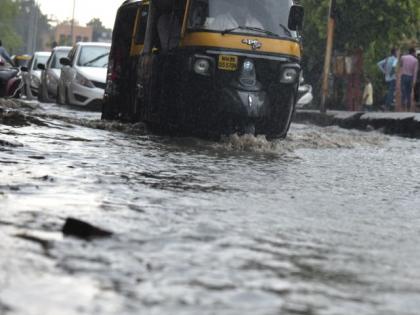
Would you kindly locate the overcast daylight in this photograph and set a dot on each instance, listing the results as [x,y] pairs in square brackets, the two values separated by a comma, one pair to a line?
[85,10]
[209,157]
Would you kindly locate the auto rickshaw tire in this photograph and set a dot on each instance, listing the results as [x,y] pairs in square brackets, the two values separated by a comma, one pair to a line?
[277,125]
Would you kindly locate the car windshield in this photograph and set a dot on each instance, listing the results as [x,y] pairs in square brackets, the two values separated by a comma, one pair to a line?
[38,60]
[94,56]
[58,54]
[269,17]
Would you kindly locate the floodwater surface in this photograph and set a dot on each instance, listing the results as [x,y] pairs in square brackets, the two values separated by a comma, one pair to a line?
[325,222]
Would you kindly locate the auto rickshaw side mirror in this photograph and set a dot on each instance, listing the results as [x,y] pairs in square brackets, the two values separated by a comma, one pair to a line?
[296,18]
[24,69]
[65,61]
[40,66]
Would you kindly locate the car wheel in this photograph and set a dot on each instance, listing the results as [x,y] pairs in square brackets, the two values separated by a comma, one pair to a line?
[40,94]
[66,94]
[60,99]
[28,92]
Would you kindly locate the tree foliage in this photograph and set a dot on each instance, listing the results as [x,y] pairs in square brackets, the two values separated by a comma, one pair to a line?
[98,29]
[31,25]
[8,12]
[373,25]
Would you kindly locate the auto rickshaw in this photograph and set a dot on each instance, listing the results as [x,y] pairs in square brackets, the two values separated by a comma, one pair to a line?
[206,67]
[21,60]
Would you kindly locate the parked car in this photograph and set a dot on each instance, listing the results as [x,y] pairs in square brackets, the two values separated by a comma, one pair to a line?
[305,96]
[83,76]
[32,75]
[51,72]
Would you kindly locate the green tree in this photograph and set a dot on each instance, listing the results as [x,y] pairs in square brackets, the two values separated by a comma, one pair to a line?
[375,26]
[31,25]
[8,12]
[98,29]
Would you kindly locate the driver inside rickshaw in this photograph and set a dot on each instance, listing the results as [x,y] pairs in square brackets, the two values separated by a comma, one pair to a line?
[237,13]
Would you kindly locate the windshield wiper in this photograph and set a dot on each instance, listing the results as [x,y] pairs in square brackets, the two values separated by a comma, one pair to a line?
[286,30]
[96,59]
[249,28]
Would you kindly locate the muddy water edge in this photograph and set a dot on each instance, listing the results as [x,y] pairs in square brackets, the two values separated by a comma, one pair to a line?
[324,222]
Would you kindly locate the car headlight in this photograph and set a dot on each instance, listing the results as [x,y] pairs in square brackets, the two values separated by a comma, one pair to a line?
[289,75]
[35,80]
[80,79]
[52,78]
[202,66]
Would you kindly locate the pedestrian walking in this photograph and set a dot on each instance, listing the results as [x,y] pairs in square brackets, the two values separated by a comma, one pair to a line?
[409,67]
[368,95]
[5,55]
[417,86]
[388,66]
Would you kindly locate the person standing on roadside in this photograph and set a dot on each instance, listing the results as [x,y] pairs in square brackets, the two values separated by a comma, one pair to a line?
[368,95]
[388,66]
[417,85]
[409,66]
[4,54]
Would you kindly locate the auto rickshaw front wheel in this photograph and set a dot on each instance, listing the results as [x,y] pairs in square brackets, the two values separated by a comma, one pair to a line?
[277,124]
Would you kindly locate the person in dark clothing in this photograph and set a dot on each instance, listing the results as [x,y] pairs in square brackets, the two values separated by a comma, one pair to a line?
[417,86]
[4,54]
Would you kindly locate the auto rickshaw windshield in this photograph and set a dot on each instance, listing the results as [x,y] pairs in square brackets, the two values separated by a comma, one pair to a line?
[241,16]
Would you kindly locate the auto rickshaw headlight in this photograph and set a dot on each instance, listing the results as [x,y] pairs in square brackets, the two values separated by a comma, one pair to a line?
[248,76]
[202,66]
[289,75]
[248,66]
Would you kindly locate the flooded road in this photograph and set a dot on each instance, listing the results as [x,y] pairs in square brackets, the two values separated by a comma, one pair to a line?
[325,222]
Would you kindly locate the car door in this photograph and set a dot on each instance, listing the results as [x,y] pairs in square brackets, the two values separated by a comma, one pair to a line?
[27,77]
[68,72]
[47,76]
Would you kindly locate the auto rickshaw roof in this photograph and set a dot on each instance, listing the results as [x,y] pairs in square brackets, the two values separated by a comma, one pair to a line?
[22,57]
[127,2]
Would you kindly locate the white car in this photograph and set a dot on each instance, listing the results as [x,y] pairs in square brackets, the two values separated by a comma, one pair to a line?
[51,74]
[32,74]
[83,76]
[305,95]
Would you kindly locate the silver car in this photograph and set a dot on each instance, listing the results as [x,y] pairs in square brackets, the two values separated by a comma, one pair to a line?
[51,74]
[32,75]
[83,75]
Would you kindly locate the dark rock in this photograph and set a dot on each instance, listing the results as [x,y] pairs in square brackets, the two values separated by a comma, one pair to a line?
[4,309]
[84,230]
[5,143]
[46,178]
[36,157]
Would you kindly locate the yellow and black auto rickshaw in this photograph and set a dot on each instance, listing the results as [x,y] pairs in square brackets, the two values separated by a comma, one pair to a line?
[206,67]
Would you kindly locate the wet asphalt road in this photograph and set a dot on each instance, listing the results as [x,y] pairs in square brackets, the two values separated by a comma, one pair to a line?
[324,222]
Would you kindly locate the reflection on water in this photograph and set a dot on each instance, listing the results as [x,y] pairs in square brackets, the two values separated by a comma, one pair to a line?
[324,222]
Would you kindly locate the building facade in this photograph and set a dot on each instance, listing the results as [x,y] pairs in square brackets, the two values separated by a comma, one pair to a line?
[65,36]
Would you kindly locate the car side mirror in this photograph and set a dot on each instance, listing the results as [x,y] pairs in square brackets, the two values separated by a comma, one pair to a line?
[24,69]
[40,66]
[65,61]
[296,16]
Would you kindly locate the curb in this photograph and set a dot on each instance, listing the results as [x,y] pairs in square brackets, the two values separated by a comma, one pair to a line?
[401,124]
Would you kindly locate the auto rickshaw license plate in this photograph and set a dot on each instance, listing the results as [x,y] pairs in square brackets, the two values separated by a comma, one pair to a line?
[228,62]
